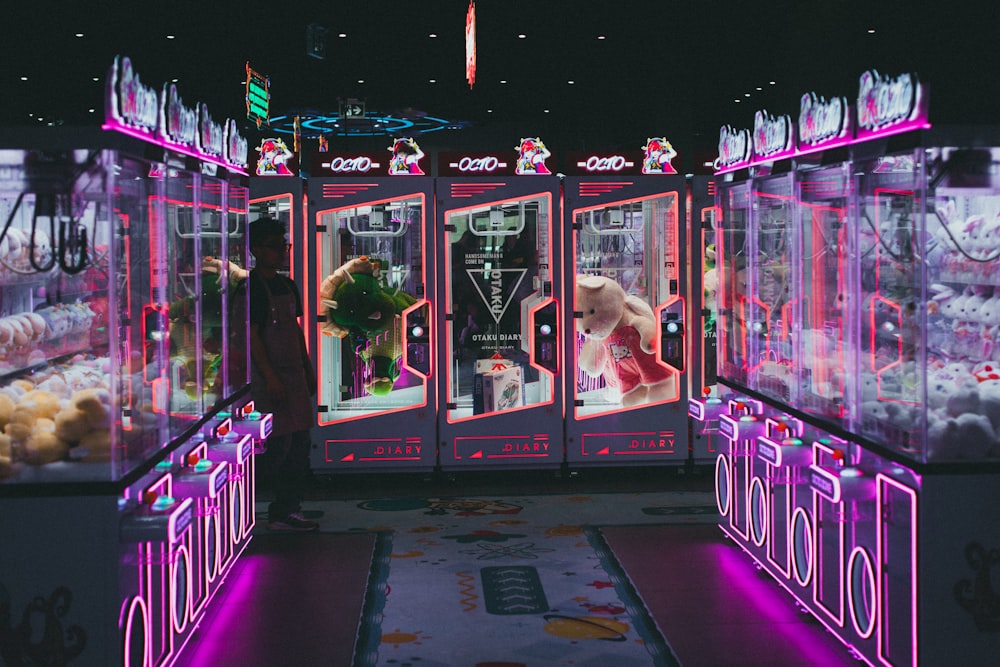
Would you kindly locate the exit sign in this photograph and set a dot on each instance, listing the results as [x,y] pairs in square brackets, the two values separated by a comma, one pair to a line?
[258,96]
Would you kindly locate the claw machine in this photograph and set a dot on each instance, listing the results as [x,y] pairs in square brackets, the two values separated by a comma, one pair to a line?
[113,354]
[501,289]
[891,432]
[628,344]
[369,272]
[704,287]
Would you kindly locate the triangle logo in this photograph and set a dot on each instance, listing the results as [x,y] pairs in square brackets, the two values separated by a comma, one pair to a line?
[496,288]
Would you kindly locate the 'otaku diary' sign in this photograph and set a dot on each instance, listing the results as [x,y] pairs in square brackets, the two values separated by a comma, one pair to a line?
[162,118]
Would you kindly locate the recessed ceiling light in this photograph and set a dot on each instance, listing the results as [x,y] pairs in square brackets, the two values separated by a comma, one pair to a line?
[737,100]
[173,81]
[79,34]
[342,35]
[95,78]
[871,31]
[771,82]
[503,80]
[546,111]
[601,37]
[746,94]
[361,80]
[90,111]
[432,35]
[171,36]
[571,82]
[759,88]
[433,80]
[24,78]
[489,111]
[521,35]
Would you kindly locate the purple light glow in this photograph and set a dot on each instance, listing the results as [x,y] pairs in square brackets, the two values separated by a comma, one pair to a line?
[768,604]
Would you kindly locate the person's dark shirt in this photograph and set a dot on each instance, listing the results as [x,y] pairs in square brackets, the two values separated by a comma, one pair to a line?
[279,286]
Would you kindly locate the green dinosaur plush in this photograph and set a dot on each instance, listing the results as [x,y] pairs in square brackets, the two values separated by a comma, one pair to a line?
[359,304]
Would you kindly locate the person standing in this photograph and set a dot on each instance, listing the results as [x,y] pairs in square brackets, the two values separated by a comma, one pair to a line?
[282,377]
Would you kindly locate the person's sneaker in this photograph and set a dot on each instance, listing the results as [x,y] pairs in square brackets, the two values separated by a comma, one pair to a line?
[295,523]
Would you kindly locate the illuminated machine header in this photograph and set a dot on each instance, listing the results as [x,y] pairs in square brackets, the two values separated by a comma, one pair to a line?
[403,158]
[137,110]
[654,158]
[884,106]
[531,160]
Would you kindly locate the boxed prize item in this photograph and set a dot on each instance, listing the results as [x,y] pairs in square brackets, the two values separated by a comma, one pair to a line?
[499,385]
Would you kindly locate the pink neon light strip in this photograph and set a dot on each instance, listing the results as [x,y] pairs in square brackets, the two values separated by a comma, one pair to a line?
[177,148]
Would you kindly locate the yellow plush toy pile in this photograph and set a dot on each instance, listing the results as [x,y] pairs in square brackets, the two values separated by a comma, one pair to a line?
[40,426]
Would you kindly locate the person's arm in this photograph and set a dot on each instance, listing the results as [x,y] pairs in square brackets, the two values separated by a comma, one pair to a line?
[306,361]
[308,366]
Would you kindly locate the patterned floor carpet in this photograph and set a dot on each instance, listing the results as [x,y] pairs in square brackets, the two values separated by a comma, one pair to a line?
[509,581]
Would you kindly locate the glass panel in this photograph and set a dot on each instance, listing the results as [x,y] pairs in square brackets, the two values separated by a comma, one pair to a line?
[732,253]
[710,283]
[213,220]
[378,307]
[498,257]
[183,220]
[75,276]
[890,277]
[773,303]
[820,360]
[962,251]
[236,353]
[615,245]
[135,268]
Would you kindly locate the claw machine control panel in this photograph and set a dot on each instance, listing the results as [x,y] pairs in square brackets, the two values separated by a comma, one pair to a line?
[628,343]
[371,294]
[501,323]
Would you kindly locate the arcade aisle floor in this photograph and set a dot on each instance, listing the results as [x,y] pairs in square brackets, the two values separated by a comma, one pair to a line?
[612,568]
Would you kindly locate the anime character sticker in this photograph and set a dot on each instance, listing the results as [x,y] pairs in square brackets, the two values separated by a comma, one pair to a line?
[406,156]
[531,156]
[658,154]
[272,158]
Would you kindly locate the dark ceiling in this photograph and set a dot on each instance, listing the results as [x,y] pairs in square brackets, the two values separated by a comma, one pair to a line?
[679,69]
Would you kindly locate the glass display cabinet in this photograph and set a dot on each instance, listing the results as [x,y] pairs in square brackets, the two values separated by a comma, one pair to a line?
[858,483]
[118,248]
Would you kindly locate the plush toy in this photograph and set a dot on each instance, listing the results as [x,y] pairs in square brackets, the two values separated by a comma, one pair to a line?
[620,332]
[95,403]
[94,447]
[6,457]
[356,302]
[72,424]
[382,353]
